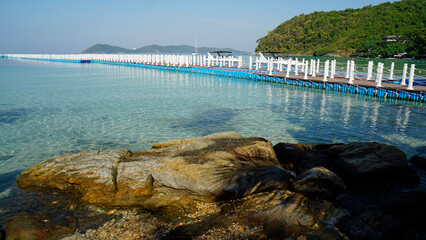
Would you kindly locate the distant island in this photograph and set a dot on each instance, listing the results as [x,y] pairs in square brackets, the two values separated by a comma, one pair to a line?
[105,48]
[386,30]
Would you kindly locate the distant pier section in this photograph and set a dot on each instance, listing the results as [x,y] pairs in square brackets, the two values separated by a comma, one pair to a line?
[310,73]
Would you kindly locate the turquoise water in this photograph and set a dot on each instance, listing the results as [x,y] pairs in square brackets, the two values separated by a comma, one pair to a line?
[49,108]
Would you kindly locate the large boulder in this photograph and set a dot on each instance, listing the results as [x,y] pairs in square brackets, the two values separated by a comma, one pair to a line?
[181,172]
[319,182]
[368,162]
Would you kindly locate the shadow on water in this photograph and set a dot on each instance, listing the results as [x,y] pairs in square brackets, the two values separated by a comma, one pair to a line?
[12,115]
[8,179]
[209,121]
[6,157]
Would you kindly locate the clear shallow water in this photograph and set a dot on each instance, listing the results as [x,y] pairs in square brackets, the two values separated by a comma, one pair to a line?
[50,108]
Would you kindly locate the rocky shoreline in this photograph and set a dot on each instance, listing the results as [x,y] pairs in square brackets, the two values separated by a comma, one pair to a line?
[222,186]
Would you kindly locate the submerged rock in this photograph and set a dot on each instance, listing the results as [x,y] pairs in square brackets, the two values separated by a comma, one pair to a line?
[27,226]
[177,173]
[319,182]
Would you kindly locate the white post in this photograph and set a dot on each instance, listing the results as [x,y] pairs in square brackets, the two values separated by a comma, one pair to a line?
[404,74]
[257,63]
[303,65]
[250,62]
[370,70]
[280,64]
[313,69]
[306,70]
[347,69]
[333,68]
[325,70]
[318,65]
[295,67]
[378,71]
[379,74]
[270,64]
[309,66]
[351,74]
[391,70]
[287,75]
[411,79]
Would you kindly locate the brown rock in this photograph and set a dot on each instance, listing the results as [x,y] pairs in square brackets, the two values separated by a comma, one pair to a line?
[319,182]
[217,166]
[89,174]
[284,214]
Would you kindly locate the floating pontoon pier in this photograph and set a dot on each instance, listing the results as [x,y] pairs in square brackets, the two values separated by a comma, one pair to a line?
[306,73]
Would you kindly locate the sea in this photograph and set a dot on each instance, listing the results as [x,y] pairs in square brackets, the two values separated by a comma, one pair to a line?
[52,108]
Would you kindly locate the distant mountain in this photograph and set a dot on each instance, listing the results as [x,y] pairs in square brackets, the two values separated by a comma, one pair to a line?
[385,29]
[105,48]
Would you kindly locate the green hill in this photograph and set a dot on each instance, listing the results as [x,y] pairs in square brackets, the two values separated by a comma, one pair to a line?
[105,48]
[353,32]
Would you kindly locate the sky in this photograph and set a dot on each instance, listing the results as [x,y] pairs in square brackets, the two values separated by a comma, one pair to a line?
[70,26]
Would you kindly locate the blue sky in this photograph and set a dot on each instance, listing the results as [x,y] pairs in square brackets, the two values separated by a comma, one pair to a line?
[70,26]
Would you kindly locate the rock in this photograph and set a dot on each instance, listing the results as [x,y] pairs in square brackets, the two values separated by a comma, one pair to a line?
[300,157]
[419,161]
[319,182]
[27,226]
[368,162]
[178,173]
[286,214]
[2,233]
[90,174]
[384,215]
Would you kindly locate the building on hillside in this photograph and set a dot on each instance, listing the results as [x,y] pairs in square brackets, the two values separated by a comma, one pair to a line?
[390,38]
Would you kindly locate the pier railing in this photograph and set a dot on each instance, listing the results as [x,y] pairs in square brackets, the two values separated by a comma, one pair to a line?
[304,69]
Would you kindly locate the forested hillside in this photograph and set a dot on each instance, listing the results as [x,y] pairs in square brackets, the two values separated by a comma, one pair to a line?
[353,32]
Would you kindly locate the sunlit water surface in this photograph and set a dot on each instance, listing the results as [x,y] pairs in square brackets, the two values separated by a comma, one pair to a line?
[48,109]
